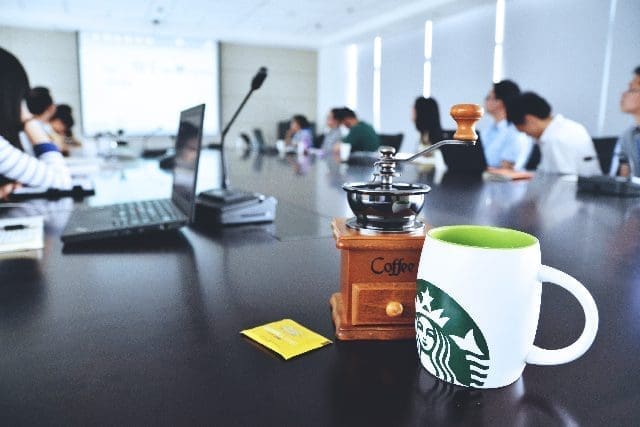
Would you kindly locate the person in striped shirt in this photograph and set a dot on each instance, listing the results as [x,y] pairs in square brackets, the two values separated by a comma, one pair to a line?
[48,168]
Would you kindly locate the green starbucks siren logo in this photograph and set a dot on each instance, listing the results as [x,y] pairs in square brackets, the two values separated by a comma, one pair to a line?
[450,344]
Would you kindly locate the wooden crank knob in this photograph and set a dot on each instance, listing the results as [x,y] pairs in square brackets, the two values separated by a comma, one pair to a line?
[466,116]
[394,309]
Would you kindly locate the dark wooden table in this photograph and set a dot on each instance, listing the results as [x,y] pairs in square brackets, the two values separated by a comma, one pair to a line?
[147,331]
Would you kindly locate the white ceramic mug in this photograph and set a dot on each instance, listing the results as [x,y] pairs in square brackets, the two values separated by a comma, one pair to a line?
[478,302]
[345,151]
[281,147]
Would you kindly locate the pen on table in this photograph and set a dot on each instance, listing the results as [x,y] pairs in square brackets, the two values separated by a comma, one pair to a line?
[13,227]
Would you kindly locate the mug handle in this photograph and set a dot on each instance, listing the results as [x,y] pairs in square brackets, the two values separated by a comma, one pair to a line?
[540,356]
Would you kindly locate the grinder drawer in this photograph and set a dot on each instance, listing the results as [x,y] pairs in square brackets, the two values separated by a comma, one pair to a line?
[383,303]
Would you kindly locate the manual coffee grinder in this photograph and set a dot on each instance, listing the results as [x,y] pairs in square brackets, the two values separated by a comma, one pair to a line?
[380,247]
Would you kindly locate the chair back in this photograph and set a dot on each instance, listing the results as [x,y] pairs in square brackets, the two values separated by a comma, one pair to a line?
[259,137]
[604,148]
[391,140]
[447,133]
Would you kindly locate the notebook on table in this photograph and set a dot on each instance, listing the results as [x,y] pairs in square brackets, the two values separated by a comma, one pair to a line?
[21,234]
[132,218]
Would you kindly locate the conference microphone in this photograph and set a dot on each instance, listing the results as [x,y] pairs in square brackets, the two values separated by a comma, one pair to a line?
[257,81]
[227,206]
[259,78]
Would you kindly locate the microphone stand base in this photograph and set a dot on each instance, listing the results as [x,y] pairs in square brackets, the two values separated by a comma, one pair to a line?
[232,207]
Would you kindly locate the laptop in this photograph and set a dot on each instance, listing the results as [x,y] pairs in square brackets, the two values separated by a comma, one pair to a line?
[467,159]
[133,218]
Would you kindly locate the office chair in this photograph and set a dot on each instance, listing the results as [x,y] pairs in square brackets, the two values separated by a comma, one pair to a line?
[282,129]
[318,141]
[263,148]
[604,148]
[394,141]
[448,133]
[246,141]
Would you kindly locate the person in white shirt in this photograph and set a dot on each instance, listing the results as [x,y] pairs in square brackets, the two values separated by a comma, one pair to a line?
[504,146]
[565,145]
[17,167]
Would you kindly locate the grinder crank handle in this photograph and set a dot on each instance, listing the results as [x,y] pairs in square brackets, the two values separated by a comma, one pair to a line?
[466,117]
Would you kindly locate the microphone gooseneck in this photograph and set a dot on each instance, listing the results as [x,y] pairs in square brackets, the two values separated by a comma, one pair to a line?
[257,81]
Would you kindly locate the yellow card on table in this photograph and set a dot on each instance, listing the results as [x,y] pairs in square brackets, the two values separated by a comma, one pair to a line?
[286,337]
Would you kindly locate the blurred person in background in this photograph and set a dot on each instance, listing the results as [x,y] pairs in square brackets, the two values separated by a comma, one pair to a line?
[299,134]
[47,168]
[504,146]
[565,145]
[362,136]
[426,117]
[62,124]
[626,155]
[333,135]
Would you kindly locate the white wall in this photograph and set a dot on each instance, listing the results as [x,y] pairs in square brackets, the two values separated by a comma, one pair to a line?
[397,99]
[51,60]
[365,81]
[401,80]
[554,48]
[332,81]
[290,87]
[625,58]
[461,71]
[559,53]
[462,60]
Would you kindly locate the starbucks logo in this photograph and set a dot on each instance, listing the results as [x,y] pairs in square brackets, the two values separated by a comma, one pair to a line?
[450,344]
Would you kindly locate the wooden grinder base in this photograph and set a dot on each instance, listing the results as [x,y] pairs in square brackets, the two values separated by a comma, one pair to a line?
[377,283]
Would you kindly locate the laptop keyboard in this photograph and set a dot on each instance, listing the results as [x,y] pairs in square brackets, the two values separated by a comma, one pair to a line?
[143,212]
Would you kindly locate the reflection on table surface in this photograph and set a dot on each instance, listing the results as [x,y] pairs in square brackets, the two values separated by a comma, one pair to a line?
[147,330]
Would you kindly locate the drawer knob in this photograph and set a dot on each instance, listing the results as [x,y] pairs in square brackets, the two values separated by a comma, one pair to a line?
[394,309]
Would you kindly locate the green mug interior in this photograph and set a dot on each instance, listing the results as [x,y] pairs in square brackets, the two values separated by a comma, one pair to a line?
[479,236]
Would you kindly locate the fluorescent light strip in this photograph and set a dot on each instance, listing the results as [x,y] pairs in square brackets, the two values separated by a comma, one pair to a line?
[602,110]
[377,65]
[426,82]
[352,76]
[376,99]
[428,39]
[497,63]
[498,60]
[377,53]
[499,21]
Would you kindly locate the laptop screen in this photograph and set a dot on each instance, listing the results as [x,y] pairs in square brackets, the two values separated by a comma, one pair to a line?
[185,169]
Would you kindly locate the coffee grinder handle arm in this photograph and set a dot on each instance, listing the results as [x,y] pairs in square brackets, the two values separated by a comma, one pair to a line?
[540,356]
[466,116]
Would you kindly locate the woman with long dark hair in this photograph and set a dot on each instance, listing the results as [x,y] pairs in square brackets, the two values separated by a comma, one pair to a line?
[426,117]
[17,167]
